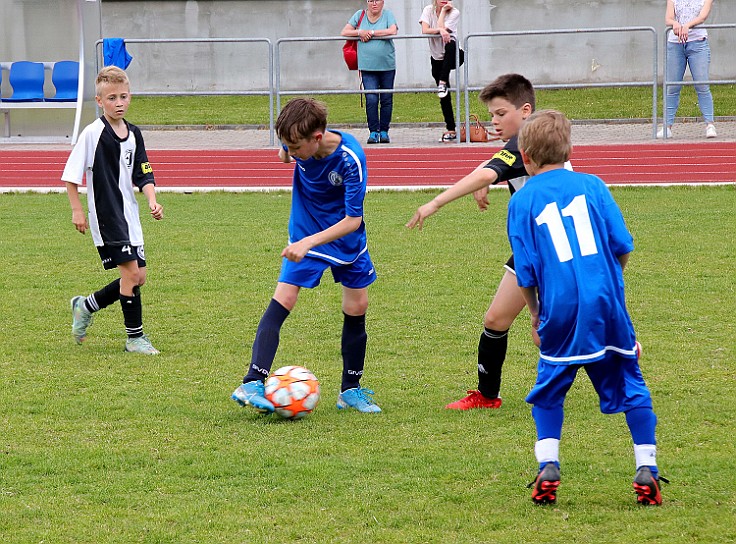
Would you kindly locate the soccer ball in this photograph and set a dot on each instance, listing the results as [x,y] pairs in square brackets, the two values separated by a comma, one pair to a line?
[293,390]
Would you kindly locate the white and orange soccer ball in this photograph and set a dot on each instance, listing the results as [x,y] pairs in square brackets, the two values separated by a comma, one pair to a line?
[293,390]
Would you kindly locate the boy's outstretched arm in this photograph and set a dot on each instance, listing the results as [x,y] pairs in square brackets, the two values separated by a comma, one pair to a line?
[479,178]
[78,217]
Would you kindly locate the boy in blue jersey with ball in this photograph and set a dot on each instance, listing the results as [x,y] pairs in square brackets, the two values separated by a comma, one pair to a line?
[326,230]
[570,246]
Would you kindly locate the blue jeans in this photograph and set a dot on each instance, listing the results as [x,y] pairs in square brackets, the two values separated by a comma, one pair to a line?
[696,55]
[378,121]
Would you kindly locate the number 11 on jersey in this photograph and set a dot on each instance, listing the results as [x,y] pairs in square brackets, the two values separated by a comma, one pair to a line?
[578,211]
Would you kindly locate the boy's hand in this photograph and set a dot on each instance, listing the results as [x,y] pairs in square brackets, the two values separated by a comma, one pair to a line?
[421,214]
[481,197]
[80,221]
[284,156]
[295,252]
[157,210]
[535,327]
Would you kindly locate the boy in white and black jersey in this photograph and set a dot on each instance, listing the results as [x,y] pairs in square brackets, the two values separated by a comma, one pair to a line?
[111,155]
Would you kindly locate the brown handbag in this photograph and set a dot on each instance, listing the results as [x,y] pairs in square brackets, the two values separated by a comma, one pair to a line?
[478,133]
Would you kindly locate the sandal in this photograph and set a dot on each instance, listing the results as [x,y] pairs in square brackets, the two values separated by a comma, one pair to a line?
[449,136]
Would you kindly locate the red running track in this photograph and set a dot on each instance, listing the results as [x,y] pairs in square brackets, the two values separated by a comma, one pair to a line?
[395,167]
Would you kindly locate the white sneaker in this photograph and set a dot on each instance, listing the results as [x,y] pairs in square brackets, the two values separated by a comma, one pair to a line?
[660,132]
[140,345]
[442,89]
[710,131]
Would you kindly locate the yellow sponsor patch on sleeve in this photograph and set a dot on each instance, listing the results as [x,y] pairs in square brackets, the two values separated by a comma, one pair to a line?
[505,156]
[146,168]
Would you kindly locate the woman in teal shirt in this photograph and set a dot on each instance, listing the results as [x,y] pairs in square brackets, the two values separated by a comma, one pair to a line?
[377,64]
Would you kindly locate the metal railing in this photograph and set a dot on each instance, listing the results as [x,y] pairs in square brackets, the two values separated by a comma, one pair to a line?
[462,88]
[666,84]
[280,92]
[553,32]
[269,92]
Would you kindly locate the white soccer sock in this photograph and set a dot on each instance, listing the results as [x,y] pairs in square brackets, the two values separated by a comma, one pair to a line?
[646,455]
[547,450]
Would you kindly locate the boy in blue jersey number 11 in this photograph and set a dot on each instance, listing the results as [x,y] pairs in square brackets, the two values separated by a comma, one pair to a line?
[326,230]
[570,245]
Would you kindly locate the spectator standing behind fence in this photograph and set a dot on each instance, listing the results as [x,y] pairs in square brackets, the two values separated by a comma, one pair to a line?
[688,46]
[441,19]
[377,64]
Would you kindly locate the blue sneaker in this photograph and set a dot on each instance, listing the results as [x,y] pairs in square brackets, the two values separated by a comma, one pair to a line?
[383,137]
[374,138]
[81,319]
[357,398]
[253,394]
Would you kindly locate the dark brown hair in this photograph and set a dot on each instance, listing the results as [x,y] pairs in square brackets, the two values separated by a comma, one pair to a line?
[513,87]
[301,118]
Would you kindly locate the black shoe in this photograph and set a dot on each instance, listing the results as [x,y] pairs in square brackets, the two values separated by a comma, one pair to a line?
[646,487]
[546,484]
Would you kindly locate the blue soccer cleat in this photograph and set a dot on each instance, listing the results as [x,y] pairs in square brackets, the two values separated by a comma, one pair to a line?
[253,394]
[359,399]
[81,319]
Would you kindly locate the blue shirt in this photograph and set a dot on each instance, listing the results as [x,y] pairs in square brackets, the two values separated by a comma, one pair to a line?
[325,191]
[567,233]
[375,55]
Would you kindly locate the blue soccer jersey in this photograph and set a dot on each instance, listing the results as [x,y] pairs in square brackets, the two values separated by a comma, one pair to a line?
[325,191]
[567,233]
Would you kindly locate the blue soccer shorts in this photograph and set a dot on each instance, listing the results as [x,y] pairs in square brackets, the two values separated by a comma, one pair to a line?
[617,380]
[308,272]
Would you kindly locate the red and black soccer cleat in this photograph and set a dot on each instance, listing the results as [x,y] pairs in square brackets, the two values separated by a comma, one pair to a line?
[646,487]
[546,484]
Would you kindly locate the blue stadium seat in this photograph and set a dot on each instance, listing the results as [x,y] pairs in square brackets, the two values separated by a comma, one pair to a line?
[65,77]
[26,78]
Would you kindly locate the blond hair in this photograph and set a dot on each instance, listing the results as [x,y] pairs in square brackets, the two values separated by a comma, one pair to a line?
[545,138]
[110,75]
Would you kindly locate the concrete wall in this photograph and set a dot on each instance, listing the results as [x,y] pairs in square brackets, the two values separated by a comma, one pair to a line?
[571,58]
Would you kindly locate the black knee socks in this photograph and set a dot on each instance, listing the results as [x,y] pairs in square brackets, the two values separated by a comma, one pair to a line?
[266,342]
[354,342]
[491,355]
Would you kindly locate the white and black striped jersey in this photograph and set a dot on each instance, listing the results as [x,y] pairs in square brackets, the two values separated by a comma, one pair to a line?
[112,167]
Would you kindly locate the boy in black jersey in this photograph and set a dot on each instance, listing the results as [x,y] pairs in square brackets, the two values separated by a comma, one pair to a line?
[510,100]
[111,155]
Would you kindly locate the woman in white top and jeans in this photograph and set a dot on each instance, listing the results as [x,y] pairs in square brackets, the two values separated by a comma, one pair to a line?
[441,19]
[688,46]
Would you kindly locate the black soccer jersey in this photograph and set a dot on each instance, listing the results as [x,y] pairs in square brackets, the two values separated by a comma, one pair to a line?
[508,166]
[112,166]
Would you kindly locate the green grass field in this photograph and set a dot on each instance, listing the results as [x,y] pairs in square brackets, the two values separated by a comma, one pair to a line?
[594,103]
[99,446]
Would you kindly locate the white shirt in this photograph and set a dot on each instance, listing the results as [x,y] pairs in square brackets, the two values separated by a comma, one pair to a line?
[429,16]
[687,10]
